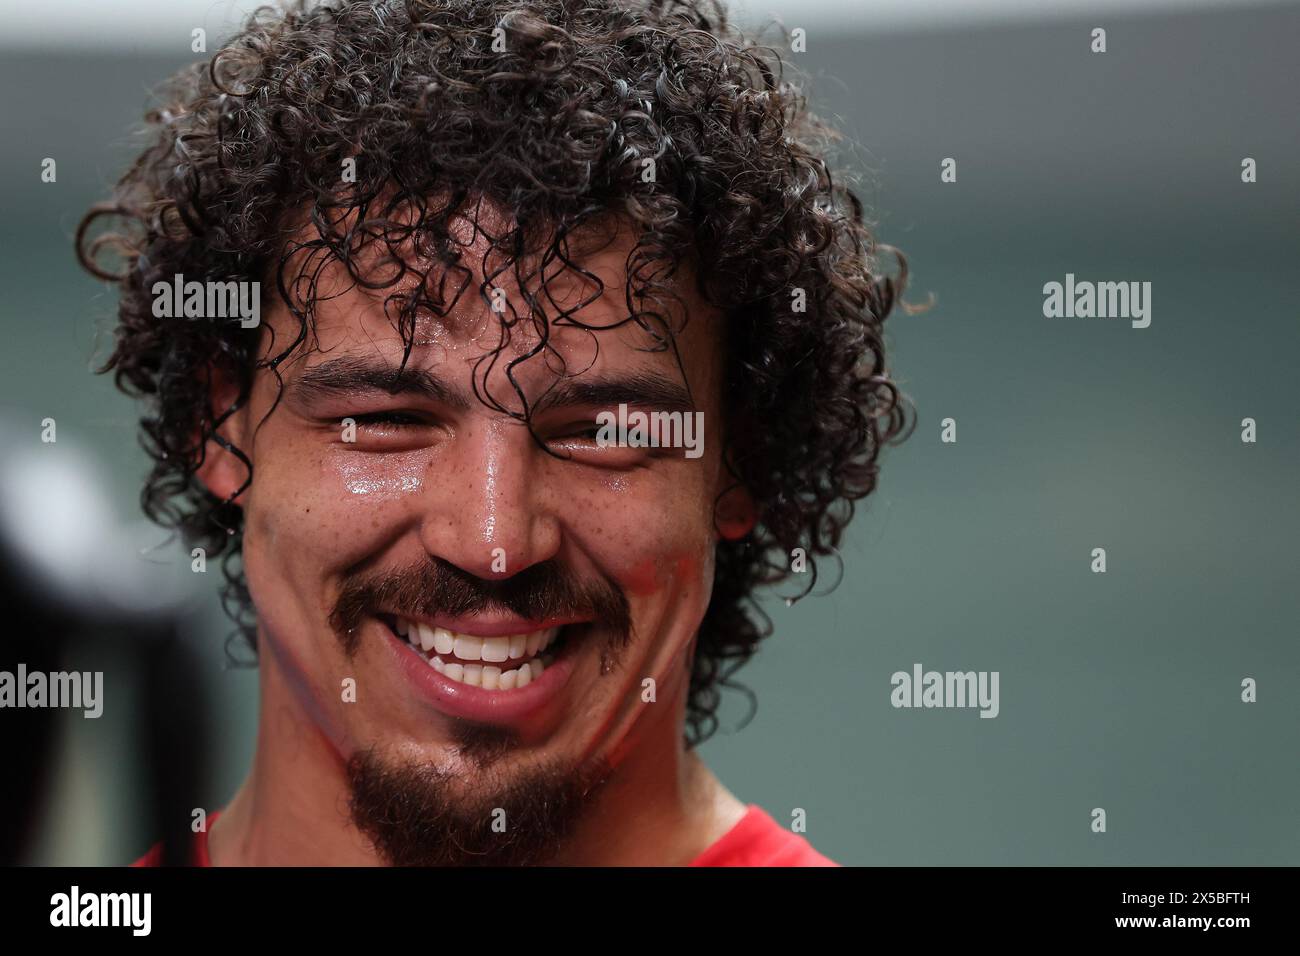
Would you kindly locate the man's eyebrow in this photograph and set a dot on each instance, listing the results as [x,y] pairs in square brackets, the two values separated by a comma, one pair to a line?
[645,389]
[354,376]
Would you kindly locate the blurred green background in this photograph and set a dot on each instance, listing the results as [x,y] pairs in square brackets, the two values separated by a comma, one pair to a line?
[1119,690]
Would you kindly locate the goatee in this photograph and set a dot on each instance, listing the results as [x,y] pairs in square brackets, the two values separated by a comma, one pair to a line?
[418,815]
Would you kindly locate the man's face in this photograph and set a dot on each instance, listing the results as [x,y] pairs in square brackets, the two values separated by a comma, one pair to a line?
[551,588]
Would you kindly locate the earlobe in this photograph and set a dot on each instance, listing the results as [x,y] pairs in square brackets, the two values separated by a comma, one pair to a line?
[735,513]
[222,472]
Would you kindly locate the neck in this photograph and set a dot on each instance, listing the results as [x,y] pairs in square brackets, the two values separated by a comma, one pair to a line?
[661,807]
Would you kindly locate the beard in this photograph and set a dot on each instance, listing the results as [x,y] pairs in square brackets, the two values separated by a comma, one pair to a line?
[416,814]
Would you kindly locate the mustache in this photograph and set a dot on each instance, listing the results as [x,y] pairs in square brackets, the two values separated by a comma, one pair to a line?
[541,591]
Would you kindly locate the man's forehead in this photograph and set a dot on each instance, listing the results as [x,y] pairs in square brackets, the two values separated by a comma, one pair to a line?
[402,251]
[363,326]
[575,367]
[487,304]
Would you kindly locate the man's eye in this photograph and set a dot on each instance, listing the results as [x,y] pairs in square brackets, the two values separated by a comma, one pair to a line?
[580,433]
[389,419]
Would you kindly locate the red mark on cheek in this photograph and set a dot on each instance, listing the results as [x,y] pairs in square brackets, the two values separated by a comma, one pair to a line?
[643,578]
[646,577]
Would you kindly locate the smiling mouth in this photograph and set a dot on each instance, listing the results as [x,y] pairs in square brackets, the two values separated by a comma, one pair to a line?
[508,662]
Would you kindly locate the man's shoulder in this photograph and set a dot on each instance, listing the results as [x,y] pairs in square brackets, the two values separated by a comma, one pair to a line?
[758,840]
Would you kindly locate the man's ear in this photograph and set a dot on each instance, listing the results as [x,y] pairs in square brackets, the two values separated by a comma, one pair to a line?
[735,513]
[221,471]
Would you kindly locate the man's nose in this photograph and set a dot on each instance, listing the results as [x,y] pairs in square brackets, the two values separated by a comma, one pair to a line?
[486,508]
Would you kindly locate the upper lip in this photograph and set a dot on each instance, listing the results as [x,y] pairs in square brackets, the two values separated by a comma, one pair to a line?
[487,625]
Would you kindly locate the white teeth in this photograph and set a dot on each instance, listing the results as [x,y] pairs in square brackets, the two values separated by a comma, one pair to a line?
[488,677]
[490,650]
[468,647]
[426,637]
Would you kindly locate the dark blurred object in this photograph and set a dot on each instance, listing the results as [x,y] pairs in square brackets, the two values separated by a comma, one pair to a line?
[71,574]
[35,635]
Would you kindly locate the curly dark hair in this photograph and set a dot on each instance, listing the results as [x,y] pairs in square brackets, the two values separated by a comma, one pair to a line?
[552,109]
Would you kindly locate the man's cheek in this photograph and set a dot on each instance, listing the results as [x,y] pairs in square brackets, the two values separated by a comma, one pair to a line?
[663,562]
[327,505]
[268,540]
[371,481]
[291,525]
[683,541]
[635,522]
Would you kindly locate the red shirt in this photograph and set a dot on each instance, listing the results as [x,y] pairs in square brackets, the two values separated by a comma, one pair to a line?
[756,840]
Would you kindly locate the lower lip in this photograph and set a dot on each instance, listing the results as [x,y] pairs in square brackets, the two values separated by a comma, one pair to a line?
[474,703]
